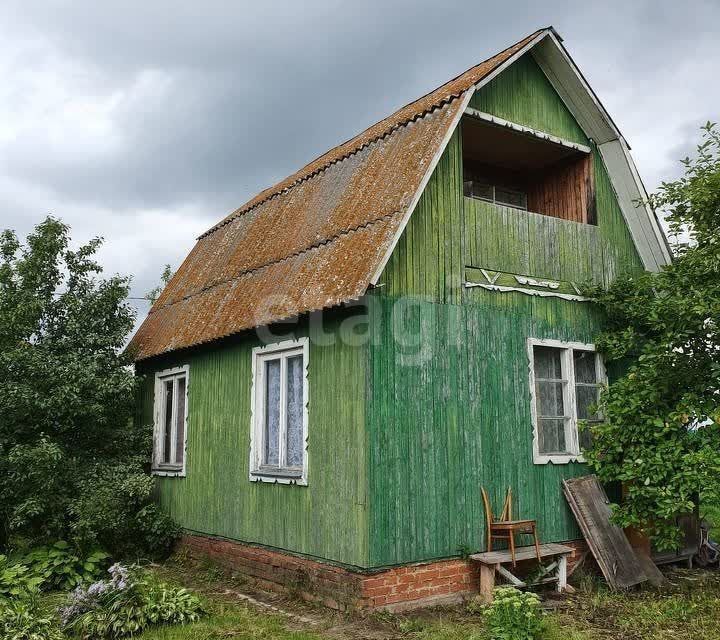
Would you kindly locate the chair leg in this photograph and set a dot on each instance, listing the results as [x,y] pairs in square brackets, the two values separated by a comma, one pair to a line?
[512,547]
[489,540]
[537,543]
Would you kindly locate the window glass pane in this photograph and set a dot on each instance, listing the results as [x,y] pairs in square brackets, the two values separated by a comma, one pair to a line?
[551,436]
[585,369]
[167,421]
[272,412]
[294,443]
[548,363]
[585,437]
[586,396]
[482,190]
[550,401]
[510,198]
[180,421]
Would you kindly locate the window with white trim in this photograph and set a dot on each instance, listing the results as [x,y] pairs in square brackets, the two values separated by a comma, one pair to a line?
[279,413]
[170,432]
[566,379]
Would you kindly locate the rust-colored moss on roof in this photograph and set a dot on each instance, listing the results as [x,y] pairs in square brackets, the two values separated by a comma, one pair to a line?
[314,240]
[324,276]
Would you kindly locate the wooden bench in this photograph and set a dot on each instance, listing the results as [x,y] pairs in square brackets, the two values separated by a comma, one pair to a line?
[493,561]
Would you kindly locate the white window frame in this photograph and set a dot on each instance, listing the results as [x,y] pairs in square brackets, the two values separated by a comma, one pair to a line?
[158,467]
[260,355]
[572,436]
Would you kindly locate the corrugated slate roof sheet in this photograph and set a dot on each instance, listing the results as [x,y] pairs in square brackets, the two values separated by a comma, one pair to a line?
[315,239]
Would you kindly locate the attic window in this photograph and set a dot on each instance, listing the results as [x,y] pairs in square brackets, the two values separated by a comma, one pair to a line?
[279,413]
[475,185]
[527,171]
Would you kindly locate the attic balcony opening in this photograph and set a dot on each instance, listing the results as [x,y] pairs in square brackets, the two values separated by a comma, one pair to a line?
[513,166]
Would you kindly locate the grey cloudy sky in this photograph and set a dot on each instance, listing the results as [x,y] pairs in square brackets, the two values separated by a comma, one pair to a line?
[146,122]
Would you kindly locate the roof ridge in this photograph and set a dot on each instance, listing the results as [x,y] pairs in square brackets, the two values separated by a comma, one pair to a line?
[295,254]
[308,171]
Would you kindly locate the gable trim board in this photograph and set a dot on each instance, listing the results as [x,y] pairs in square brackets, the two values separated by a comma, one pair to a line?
[286,242]
[568,81]
[426,178]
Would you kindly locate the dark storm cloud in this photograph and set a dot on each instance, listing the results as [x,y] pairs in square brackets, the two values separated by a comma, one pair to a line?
[147,121]
[224,99]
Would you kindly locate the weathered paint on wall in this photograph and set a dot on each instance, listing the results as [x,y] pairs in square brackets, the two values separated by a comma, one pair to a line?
[428,260]
[328,518]
[522,94]
[456,416]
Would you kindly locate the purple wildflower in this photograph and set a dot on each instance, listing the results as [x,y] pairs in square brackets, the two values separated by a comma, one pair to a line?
[83,599]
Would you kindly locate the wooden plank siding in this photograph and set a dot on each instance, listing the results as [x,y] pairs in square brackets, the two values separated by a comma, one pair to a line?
[455,415]
[522,94]
[566,191]
[328,518]
[402,433]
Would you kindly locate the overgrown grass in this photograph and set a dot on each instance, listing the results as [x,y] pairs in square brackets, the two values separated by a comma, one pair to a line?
[231,621]
[687,608]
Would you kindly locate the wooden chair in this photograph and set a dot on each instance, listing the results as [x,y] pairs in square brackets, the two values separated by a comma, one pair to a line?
[505,528]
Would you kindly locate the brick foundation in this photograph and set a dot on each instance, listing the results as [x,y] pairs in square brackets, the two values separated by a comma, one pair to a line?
[410,586]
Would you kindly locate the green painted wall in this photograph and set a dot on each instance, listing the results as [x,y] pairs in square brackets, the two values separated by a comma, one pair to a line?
[523,94]
[327,518]
[454,415]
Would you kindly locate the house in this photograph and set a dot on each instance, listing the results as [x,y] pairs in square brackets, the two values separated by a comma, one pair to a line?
[340,364]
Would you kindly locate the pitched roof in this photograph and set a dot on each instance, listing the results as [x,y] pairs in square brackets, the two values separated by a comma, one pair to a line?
[323,235]
[317,238]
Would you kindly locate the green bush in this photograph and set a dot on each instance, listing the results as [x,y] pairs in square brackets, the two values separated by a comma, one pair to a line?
[115,509]
[59,567]
[72,457]
[20,619]
[16,580]
[514,615]
[126,604]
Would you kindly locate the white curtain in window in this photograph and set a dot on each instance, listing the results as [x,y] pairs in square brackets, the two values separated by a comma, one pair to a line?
[272,412]
[294,443]
[167,422]
[180,422]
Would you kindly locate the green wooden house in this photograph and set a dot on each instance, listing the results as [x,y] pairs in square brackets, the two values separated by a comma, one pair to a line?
[341,363]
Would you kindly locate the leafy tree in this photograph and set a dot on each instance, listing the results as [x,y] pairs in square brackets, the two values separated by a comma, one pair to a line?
[661,435]
[165,277]
[67,392]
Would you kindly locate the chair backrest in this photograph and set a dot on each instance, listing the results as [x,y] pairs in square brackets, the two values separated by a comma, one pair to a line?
[505,514]
[507,506]
[489,518]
